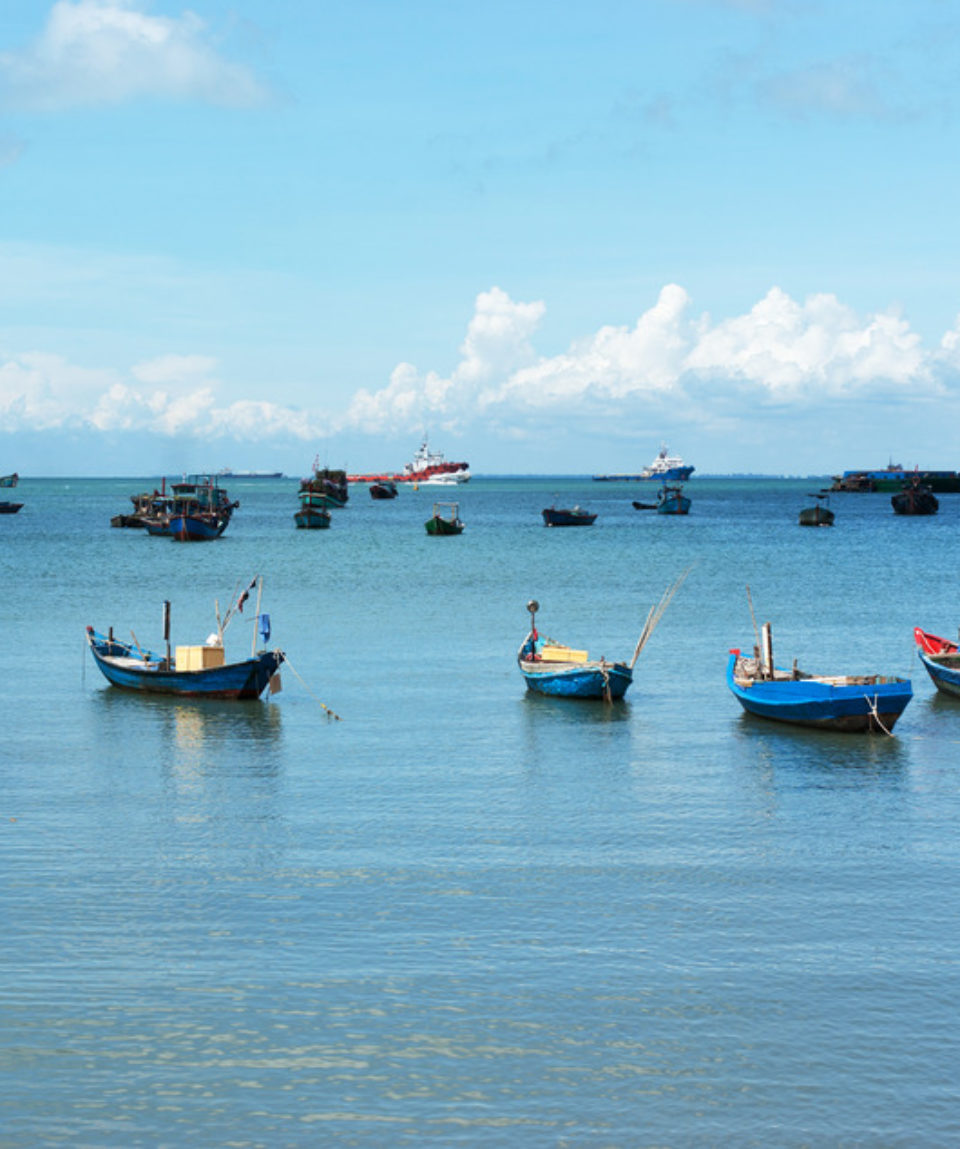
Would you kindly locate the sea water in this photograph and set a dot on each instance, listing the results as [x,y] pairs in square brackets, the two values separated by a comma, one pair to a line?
[462,914]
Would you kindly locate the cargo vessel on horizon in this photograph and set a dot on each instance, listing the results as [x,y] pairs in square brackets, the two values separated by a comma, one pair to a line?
[894,478]
[665,468]
[426,465]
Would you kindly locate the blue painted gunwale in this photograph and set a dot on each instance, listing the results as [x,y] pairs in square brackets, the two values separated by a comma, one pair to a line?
[312,518]
[583,680]
[673,503]
[816,703]
[197,527]
[246,679]
[945,678]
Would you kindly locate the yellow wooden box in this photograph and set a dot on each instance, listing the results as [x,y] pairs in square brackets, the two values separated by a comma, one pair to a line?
[562,654]
[199,657]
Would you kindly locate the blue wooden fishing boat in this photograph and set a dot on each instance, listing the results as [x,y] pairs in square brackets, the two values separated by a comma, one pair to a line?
[197,510]
[327,485]
[8,508]
[9,480]
[941,659]
[194,671]
[848,703]
[311,518]
[572,517]
[672,501]
[550,667]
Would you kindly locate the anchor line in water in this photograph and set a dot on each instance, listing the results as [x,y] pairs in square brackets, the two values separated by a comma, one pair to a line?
[330,713]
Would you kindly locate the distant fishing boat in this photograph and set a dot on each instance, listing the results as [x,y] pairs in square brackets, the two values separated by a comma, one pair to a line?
[198,509]
[848,703]
[916,498]
[572,517]
[313,514]
[328,484]
[149,506]
[672,501]
[383,490]
[9,508]
[193,671]
[9,480]
[819,515]
[550,667]
[941,660]
[445,520]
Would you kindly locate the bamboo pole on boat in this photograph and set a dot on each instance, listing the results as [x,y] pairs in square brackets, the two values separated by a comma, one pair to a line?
[756,629]
[766,652]
[655,614]
[256,616]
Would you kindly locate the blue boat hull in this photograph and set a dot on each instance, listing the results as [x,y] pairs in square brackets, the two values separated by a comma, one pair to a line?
[810,702]
[580,682]
[312,519]
[574,518]
[197,528]
[674,505]
[945,678]
[246,679]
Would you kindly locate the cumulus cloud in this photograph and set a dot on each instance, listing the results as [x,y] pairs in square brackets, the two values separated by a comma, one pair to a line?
[497,344]
[174,395]
[780,352]
[109,51]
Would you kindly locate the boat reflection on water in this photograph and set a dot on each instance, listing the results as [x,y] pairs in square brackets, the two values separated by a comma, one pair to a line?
[204,736]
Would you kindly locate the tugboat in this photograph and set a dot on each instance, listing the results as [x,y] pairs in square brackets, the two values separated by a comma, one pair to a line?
[426,464]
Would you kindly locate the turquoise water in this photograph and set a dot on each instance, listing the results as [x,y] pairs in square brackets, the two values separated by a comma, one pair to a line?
[463,915]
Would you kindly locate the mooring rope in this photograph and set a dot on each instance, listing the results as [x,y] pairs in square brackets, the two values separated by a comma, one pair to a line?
[330,713]
[875,713]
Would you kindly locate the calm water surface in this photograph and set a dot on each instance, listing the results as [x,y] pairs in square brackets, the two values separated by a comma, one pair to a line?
[463,915]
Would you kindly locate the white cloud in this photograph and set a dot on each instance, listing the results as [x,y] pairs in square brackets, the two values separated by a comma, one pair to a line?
[781,354]
[175,395]
[109,51]
[781,351]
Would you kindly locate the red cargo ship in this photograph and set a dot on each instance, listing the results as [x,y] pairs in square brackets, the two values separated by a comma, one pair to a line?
[426,464]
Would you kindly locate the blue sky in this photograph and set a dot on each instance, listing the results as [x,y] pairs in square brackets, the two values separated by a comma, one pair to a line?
[549,235]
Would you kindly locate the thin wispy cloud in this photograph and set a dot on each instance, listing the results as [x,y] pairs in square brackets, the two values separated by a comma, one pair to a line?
[98,52]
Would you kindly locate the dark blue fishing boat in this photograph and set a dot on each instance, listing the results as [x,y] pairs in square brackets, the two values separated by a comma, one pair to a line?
[549,667]
[7,508]
[672,501]
[572,517]
[385,489]
[941,659]
[313,514]
[198,509]
[194,671]
[848,703]
[327,485]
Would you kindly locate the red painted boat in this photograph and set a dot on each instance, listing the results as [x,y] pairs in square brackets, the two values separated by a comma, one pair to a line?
[932,643]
